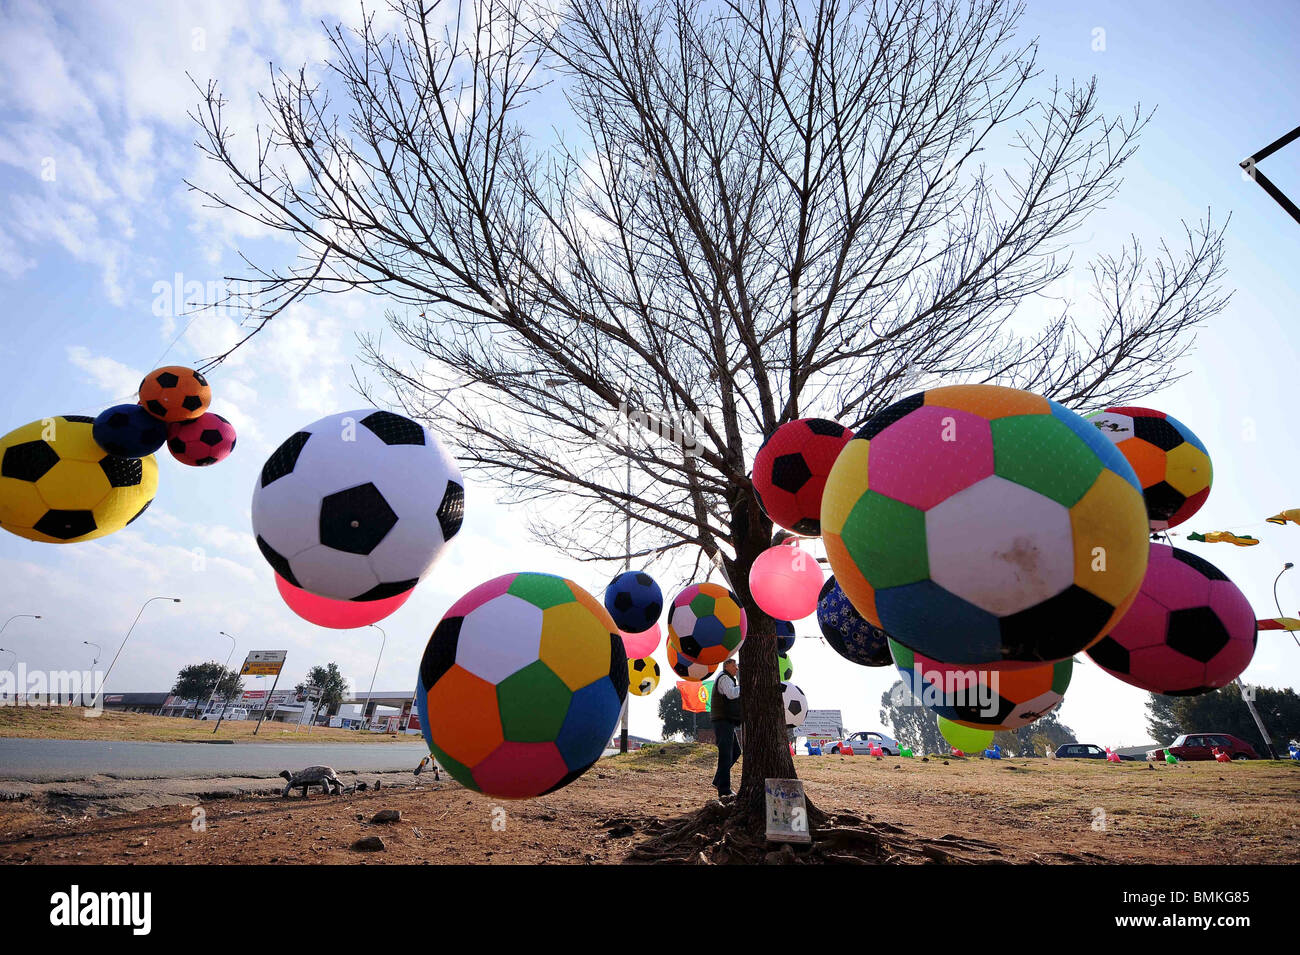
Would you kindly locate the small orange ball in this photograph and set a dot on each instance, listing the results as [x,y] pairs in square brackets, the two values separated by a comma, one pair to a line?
[175,393]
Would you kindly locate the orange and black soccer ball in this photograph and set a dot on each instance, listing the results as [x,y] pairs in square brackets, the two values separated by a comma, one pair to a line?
[175,393]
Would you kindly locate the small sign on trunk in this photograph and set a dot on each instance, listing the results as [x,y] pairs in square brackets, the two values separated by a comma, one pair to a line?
[787,811]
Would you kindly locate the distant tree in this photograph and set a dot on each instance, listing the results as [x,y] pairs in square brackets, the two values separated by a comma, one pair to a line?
[1041,736]
[1224,711]
[334,686]
[1162,722]
[198,681]
[911,722]
[677,720]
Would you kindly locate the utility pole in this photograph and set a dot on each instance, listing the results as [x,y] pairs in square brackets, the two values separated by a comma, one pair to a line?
[627,565]
[1248,692]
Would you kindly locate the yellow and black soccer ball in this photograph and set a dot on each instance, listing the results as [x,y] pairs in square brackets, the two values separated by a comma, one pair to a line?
[59,486]
[642,676]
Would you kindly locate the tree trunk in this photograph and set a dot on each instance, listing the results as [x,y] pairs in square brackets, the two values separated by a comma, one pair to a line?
[766,743]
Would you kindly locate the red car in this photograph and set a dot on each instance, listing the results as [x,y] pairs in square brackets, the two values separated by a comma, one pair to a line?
[1202,745]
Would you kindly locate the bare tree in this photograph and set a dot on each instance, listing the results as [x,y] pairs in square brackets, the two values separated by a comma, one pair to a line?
[754,210]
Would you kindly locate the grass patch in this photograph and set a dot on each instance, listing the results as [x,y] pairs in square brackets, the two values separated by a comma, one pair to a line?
[70,722]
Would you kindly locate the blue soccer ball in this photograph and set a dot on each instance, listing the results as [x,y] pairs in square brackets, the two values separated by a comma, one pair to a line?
[129,431]
[784,636]
[634,600]
[850,634]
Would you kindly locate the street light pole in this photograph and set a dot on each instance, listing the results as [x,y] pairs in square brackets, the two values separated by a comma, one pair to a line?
[370,692]
[223,672]
[98,651]
[1247,694]
[627,565]
[1277,603]
[102,683]
[35,616]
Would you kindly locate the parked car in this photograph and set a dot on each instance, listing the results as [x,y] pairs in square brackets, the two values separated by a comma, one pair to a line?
[233,713]
[1201,746]
[860,743]
[1086,751]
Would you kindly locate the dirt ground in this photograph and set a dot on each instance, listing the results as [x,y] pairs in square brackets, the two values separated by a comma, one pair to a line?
[1013,811]
[64,722]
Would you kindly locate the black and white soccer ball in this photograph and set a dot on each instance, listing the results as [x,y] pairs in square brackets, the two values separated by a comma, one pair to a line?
[794,704]
[358,505]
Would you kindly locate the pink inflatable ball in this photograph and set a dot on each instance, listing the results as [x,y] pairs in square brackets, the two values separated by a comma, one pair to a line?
[785,581]
[1190,630]
[643,644]
[337,614]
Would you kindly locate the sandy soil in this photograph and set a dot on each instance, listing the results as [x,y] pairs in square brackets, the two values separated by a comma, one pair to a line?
[1017,811]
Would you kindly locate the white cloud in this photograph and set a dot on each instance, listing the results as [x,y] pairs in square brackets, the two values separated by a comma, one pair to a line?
[109,374]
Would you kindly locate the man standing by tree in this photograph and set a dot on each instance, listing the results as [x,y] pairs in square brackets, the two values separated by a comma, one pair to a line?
[728,713]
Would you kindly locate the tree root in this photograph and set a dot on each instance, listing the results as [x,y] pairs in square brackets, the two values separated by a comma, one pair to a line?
[726,834]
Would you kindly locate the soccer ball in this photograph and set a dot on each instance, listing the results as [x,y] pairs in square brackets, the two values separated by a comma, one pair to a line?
[1190,631]
[175,393]
[790,471]
[634,600]
[521,685]
[784,636]
[1171,462]
[794,704]
[850,634]
[706,623]
[128,431]
[642,676]
[207,439]
[988,527]
[784,668]
[688,668]
[58,486]
[357,506]
[988,699]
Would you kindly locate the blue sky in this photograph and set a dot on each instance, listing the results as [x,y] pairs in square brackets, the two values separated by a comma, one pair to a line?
[96,225]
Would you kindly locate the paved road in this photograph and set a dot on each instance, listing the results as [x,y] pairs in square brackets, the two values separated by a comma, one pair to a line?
[48,760]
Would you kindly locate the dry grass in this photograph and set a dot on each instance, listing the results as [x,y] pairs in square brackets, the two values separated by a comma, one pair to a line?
[62,722]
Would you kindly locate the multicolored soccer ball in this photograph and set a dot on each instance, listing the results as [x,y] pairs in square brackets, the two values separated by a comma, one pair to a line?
[521,685]
[849,633]
[642,676]
[357,506]
[784,636]
[706,623]
[175,393]
[784,668]
[128,431]
[986,526]
[794,705]
[207,439]
[687,668]
[790,471]
[1172,464]
[634,600]
[58,486]
[1190,631]
[988,699]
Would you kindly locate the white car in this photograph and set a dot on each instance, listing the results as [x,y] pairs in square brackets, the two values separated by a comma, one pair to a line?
[860,743]
[234,713]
